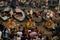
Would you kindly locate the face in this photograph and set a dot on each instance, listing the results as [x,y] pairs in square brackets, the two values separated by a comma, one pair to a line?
[30,20]
[21,28]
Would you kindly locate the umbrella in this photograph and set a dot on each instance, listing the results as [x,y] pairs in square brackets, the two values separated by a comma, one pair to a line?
[21,17]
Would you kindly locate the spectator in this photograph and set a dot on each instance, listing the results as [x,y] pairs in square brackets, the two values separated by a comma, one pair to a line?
[0,35]
[17,3]
[15,38]
[38,14]
[19,33]
[1,26]
[36,30]
[33,33]
[18,37]
[5,34]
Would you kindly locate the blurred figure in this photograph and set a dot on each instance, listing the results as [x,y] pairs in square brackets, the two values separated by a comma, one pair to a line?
[0,35]
[33,34]
[12,34]
[31,12]
[18,38]
[36,30]
[13,4]
[11,12]
[30,23]
[17,3]
[19,32]
[1,3]
[38,14]
[1,26]
[15,37]
[5,34]
[11,24]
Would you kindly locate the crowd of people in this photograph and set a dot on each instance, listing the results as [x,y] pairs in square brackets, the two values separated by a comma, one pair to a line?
[24,33]
[23,3]
[31,30]
[27,33]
